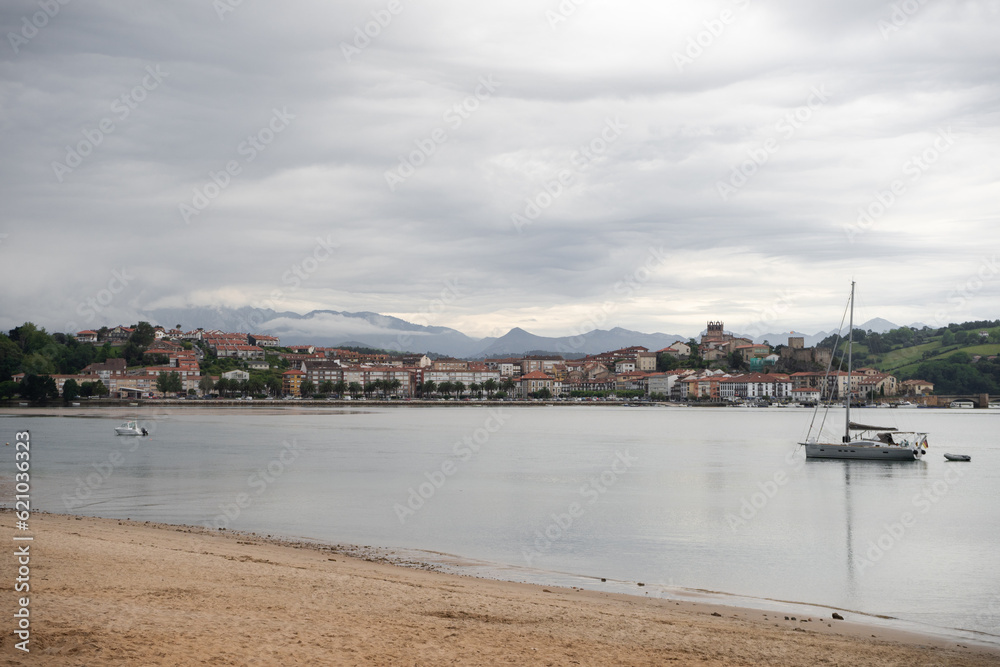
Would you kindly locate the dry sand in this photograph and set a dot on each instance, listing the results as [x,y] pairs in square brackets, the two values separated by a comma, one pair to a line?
[105,592]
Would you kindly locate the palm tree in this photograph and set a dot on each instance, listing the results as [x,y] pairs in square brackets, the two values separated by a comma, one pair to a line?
[369,388]
[339,387]
[394,385]
[508,386]
[326,387]
[355,388]
[490,386]
[428,387]
[445,388]
[273,384]
[307,388]
[458,387]
[476,389]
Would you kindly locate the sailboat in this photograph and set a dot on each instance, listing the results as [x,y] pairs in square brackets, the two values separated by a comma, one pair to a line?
[862,441]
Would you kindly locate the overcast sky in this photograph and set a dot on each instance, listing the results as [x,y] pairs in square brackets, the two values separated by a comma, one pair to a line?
[557,167]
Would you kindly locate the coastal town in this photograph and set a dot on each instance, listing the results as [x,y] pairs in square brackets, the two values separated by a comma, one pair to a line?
[719,368]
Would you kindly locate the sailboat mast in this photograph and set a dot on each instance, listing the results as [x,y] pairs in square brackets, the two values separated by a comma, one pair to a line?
[850,365]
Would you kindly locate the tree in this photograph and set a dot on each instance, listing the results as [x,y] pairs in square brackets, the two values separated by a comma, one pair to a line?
[369,388]
[476,389]
[9,389]
[71,390]
[355,388]
[393,385]
[205,384]
[508,385]
[339,387]
[490,386]
[30,338]
[307,388]
[736,361]
[544,393]
[428,387]
[255,386]
[133,352]
[459,388]
[143,334]
[273,384]
[169,383]
[445,388]
[222,386]
[10,357]
[93,388]
[666,362]
[38,388]
[326,387]
[37,363]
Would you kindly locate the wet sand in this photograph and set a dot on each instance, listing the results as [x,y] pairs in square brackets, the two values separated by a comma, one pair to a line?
[125,593]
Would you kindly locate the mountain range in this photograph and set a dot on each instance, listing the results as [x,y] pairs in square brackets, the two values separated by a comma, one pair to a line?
[329,328]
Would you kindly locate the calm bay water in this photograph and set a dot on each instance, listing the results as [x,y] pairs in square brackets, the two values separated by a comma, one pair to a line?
[712,499]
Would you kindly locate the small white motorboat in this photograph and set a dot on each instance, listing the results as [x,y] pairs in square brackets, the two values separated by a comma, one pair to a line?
[958,457]
[130,428]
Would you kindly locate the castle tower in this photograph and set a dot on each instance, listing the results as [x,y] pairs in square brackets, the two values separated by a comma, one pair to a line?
[714,333]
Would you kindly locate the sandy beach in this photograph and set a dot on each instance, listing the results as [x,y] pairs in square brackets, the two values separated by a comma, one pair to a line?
[118,592]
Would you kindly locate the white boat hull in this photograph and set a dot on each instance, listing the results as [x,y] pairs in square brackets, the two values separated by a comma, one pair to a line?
[865,450]
[130,428]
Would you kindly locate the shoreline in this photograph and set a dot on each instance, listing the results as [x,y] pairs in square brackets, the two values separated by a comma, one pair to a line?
[130,592]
